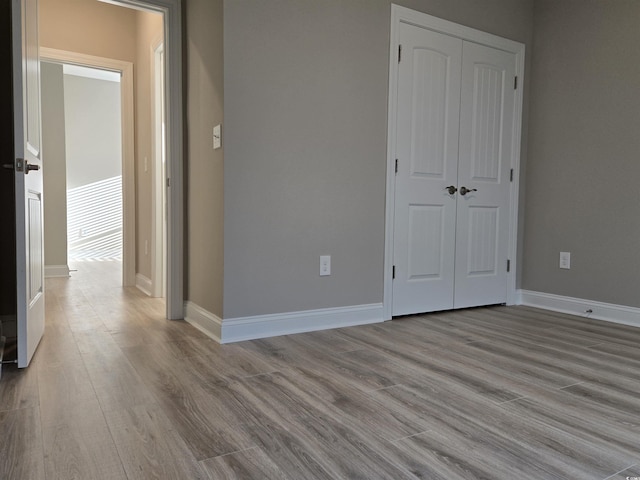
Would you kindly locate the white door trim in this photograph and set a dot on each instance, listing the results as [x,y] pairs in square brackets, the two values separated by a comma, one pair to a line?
[158,243]
[128,142]
[405,15]
[172,12]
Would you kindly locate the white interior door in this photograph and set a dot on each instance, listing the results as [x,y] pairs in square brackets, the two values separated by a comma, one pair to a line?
[454,134]
[427,153]
[486,136]
[28,179]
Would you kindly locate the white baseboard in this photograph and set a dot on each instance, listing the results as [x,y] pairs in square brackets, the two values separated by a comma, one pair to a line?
[51,271]
[203,320]
[262,326]
[576,306]
[143,283]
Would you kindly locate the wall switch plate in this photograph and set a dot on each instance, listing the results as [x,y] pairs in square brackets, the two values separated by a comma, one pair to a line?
[565,260]
[325,265]
[217,137]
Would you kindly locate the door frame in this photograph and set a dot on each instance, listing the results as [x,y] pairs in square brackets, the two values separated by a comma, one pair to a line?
[172,23]
[128,155]
[405,15]
[158,215]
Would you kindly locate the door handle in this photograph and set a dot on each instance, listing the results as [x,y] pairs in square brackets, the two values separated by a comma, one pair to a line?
[465,190]
[451,189]
[21,165]
[29,167]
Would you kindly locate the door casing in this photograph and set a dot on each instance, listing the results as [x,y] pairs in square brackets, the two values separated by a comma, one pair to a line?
[172,15]
[128,163]
[405,15]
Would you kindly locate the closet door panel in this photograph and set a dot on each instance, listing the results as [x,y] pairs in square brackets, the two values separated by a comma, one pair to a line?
[427,150]
[486,135]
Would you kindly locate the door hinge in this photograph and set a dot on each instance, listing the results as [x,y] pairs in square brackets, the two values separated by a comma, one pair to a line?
[511,176]
[508,266]
[393,273]
[515,83]
[399,53]
[396,165]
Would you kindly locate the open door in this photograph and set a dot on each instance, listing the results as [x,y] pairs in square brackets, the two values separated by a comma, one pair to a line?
[28,179]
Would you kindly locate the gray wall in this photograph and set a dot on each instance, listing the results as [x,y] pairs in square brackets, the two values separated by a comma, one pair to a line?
[306,86]
[54,164]
[204,212]
[584,165]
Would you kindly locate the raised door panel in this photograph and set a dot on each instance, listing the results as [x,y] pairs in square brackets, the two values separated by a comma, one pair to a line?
[429,113]
[486,134]
[425,242]
[427,150]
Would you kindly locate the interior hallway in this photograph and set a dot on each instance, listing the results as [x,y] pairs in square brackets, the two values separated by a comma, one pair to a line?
[115,391]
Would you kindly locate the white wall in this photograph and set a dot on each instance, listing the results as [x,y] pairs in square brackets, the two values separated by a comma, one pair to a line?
[93,135]
[94,167]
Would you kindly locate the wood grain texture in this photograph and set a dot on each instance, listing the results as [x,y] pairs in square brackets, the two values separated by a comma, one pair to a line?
[21,454]
[116,391]
[148,446]
[250,464]
[18,389]
[81,446]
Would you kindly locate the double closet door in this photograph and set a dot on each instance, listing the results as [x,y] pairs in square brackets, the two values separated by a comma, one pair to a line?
[454,134]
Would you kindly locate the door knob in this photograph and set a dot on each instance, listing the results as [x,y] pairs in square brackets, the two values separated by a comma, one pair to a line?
[451,189]
[28,167]
[465,190]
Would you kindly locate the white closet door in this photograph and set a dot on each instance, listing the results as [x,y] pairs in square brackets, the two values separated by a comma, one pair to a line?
[486,136]
[427,151]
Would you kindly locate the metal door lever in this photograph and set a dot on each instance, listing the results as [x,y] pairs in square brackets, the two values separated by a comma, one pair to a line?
[465,190]
[30,167]
[21,165]
[451,189]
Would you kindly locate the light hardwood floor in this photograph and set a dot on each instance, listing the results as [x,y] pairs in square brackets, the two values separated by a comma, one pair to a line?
[117,392]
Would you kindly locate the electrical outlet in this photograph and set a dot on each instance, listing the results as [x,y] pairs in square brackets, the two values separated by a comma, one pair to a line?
[565,260]
[325,265]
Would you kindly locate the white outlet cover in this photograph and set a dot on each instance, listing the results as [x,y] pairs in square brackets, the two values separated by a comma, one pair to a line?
[325,265]
[565,260]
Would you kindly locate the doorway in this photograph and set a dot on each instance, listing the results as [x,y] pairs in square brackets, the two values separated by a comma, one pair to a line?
[157,251]
[90,173]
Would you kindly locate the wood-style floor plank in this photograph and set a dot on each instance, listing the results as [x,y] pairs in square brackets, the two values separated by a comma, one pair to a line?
[192,410]
[18,389]
[149,447]
[116,391]
[250,464]
[81,447]
[21,454]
